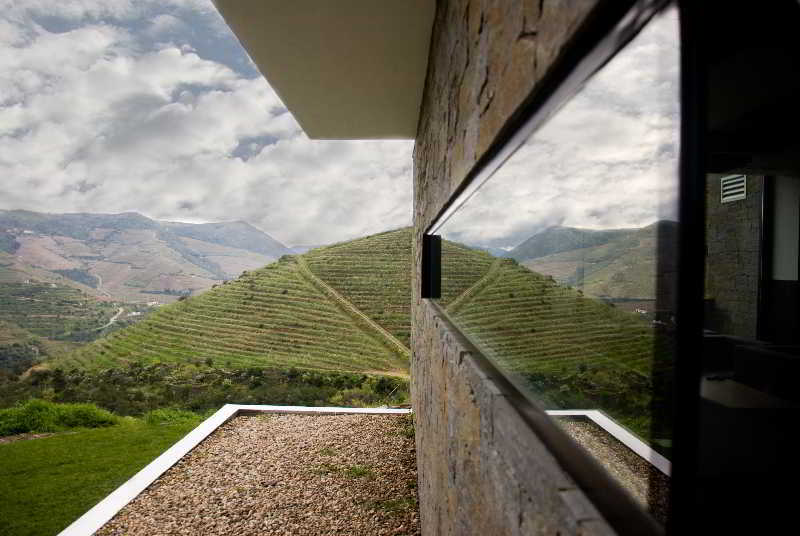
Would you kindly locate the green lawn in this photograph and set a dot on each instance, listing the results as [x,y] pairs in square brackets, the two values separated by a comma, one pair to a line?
[47,483]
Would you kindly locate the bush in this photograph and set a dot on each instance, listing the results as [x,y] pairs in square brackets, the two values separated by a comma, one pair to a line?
[138,388]
[356,398]
[42,416]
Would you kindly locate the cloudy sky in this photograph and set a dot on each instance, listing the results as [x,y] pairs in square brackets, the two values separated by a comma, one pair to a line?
[152,106]
[607,159]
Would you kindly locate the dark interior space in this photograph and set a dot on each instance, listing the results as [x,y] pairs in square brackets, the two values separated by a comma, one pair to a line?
[751,351]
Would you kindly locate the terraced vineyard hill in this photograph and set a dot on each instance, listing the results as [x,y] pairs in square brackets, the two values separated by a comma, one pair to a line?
[272,317]
[533,324]
[374,273]
[573,351]
[44,320]
[462,269]
[52,310]
[303,311]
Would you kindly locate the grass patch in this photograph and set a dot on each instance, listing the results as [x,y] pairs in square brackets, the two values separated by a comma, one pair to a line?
[325,469]
[43,416]
[395,506]
[359,471]
[45,484]
[170,416]
[407,426]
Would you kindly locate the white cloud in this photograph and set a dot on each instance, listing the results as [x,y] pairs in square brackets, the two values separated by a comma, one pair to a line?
[80,10]
[112,106]
[606,159]
[164,24]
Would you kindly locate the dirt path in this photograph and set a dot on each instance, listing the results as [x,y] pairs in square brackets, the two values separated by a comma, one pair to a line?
[23,437]
[100,285]
[113,319]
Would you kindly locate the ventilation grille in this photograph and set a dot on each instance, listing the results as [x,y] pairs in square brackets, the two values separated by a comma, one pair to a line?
[733,188]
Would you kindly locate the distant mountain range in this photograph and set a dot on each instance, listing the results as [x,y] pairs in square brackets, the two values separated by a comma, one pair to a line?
[128,256]
[559,239]
[613,263]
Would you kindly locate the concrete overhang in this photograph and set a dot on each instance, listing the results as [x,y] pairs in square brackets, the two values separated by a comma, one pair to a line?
[346,69]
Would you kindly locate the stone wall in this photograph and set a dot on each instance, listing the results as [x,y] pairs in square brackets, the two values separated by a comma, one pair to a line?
[482,470]
[733,233]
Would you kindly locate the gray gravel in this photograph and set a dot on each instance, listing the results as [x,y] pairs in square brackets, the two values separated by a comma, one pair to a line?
[286,474]
[645,482]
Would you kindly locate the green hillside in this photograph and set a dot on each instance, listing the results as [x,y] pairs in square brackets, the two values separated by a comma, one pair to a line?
[533,324]
[40,321]
[557,239]
[373,273]
[574,352]
[281,316]
[271,317]
[20,349]
[617,264]
[462,268]
[51,310]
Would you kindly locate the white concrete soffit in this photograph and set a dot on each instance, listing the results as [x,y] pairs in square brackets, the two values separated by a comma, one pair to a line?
[346,69]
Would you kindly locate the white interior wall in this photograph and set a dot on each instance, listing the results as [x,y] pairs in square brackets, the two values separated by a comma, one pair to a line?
[786,225]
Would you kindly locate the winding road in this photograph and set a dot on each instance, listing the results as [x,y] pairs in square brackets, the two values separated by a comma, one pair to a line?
[113,319]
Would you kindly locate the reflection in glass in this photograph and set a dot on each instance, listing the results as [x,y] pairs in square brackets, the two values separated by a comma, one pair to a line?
[560,268]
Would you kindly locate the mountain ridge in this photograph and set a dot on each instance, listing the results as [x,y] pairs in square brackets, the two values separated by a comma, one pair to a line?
[557,239]
[614,263]
[128,256]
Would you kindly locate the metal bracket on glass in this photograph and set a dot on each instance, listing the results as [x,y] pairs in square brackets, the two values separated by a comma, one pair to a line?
[431,276]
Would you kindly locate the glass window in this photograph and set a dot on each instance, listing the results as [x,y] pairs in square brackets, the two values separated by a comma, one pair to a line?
[561,267]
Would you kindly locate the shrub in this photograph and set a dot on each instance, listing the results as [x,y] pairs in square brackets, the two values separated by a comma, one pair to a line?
[139,388]
[42,416]
[355,398]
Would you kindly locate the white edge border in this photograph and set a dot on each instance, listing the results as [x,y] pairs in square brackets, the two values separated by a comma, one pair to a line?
[102,512]
[624,436]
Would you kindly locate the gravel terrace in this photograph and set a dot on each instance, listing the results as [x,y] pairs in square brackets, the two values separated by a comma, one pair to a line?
[646,483]
[286,474]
